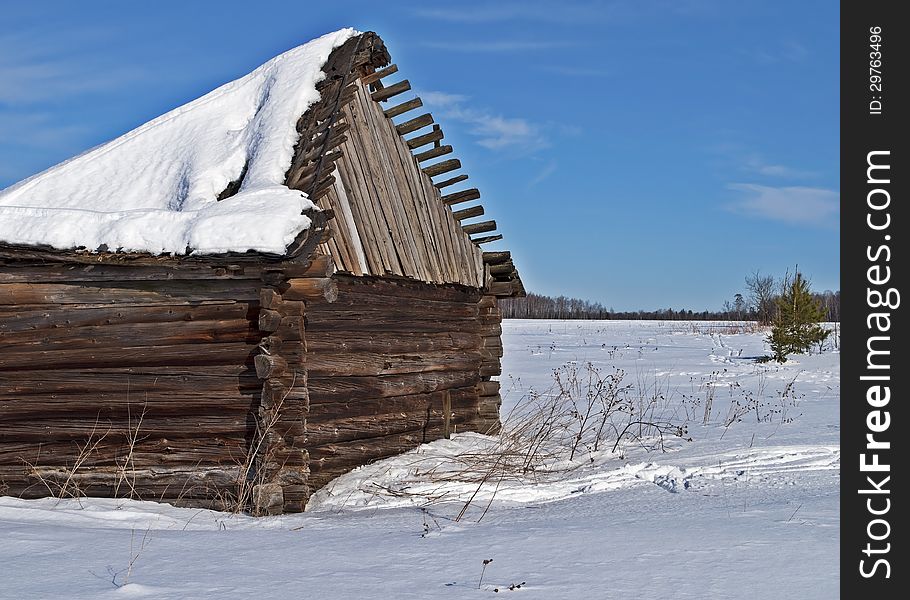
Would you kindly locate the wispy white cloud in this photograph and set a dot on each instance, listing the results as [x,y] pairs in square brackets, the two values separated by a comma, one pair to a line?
[794,205]
[779,52]
[573,71]
[544,173]
[34,68]
[567,12]
[755,163]
[442,98]
[490,130]
[498,46]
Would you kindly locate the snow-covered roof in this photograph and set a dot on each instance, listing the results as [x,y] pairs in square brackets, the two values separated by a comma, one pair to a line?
[155,188]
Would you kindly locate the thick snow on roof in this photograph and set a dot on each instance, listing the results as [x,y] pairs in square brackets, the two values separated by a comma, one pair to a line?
[155,188]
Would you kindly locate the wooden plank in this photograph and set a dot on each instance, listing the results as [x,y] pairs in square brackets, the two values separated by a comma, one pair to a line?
[392,342]
[389,197]
[376,239]
[140,356]
[433,153]
[481,227]
[474,211]
[358,261]
[68,273]
[130,334]
[364,364]
[43,317]
[350,182]
[133,293]
[462,196]
[452,181]
[442,167]
[377,75]
[414,124]
[427,138]
[402,108]
[497,258]
[486,239]
[391,91]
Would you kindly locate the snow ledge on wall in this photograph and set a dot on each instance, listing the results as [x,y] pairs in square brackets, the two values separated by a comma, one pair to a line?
[155,188]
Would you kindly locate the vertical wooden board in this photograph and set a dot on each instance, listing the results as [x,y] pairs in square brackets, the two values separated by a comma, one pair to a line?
[427,222]
[369,197]
[352,239]
[445,229]
[338,243]
[391,144]
[387,191]
[374,236]
[362,217]
[374,186]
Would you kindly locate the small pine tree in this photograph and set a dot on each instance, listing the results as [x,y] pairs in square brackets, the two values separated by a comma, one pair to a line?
[795,328]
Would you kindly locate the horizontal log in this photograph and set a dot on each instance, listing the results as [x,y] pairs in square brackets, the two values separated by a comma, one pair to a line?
[474,211]
[89,403]
[143,356]
[461,399]
[427,138]
[462,196]
[451,181]
[433,153]
[311,289]
[402,108]
[63,272]
[379,288]
[505,268]
[377,75]
[442,167]
[504,288]
[135,293]
[230,425]
[364,428]
[146,452]
[150,484]
[496,258]
[391,311]
[486,239]
[392,343]
[414,124]
[391,91]
[26,318]
[335,389]
[481,227]
[387,324]
[365,364]
[128,386]
[130,334]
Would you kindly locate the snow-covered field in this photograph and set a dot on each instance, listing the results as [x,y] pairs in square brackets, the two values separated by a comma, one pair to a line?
[748,510]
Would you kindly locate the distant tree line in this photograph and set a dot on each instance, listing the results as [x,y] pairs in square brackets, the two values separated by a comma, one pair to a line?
[759,303]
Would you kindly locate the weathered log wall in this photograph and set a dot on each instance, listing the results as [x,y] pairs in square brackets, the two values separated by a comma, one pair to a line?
[391,364]
[127,381]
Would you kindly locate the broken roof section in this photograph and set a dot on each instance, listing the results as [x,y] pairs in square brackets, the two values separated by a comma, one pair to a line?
[156,189]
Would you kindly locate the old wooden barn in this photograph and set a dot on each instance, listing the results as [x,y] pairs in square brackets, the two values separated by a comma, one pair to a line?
[226,376]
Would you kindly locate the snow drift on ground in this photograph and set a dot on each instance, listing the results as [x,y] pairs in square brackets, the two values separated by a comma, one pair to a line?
[748,510]
[154,189]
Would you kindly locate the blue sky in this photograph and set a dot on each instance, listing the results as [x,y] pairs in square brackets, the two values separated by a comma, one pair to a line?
[643,154]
